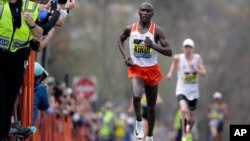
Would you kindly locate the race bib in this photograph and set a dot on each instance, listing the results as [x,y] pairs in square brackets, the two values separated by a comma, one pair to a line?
[141,50]
[190,77]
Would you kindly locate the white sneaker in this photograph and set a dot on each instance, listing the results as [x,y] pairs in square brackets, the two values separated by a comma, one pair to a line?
[139,134]
[149,138]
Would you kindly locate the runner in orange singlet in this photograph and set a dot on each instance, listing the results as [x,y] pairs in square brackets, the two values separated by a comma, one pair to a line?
[143,70]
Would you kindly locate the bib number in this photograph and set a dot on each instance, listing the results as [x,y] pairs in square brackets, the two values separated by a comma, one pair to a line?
[190,77]
[141,50]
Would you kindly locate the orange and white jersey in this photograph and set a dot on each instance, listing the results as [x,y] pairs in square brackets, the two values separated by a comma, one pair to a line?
[141,54]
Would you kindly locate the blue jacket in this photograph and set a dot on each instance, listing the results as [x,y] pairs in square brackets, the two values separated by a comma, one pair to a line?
[41,101]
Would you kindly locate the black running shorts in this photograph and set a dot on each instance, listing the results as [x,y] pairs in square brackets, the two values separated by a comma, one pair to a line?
[191,103]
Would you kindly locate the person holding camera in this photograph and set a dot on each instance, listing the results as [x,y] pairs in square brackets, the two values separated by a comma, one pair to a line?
[17,28]
[50,16]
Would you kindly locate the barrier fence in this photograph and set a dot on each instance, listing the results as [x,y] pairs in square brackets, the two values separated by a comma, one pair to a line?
[54,128]
[49,127]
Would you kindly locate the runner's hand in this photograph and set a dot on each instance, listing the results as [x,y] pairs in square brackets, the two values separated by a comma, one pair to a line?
[129,61]
[148,42]
[169,76]
[191,66]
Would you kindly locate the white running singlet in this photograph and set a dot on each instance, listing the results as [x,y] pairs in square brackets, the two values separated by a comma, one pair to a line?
[141,54]
[187,79]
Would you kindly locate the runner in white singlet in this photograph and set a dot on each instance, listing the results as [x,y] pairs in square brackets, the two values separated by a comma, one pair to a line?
[189,66]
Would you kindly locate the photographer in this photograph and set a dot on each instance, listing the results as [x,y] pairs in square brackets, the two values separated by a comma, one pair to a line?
[51,15]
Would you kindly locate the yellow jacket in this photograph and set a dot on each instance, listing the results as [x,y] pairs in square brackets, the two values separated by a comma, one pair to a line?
[11,38]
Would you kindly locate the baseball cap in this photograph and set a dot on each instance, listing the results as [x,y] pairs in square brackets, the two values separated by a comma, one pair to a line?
[217,95]
[38,70]
[188,42]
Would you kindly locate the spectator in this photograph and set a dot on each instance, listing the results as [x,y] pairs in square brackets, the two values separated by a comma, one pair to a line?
[17,29]
[41,101]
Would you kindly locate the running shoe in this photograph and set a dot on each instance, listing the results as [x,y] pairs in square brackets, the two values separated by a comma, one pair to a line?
[149,138]
[139,134]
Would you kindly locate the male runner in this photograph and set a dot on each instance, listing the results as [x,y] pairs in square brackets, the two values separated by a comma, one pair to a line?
[144,71]
[188,65]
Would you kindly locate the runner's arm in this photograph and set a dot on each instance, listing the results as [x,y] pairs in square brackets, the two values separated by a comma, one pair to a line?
[173,67]
[163,48]
[123,37]
[209,111]
[201,68]
[225,110]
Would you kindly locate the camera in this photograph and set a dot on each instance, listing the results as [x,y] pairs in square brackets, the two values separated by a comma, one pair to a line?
[54,5]
[55,2]
[62,1]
